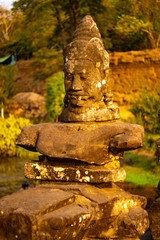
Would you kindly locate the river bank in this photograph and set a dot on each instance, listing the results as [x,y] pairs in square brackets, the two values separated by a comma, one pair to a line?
[11,175]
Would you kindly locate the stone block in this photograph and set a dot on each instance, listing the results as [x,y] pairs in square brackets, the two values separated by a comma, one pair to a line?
[66,171]
[72,211]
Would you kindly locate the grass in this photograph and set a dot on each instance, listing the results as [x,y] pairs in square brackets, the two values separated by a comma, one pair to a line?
[144,170]
[125,114]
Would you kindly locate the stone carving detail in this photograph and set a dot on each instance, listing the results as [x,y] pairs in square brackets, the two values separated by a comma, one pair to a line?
[86,76]
[79,162]
[74,211]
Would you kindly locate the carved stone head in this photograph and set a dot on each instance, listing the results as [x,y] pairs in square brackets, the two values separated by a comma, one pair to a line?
[86,76]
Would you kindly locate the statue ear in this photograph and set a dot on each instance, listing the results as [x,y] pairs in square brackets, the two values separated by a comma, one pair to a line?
[106,59]
[108,98]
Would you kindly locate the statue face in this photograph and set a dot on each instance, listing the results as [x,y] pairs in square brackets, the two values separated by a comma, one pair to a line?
[83,83]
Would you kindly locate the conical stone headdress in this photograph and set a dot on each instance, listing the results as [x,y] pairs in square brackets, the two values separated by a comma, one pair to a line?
[87,44]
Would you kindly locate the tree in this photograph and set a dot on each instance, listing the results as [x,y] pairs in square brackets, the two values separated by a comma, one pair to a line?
[55,95]
[46,63]
[150,14]
[6,24]
[145,18]
[9,24]
[53,24]
[6,85]
[145,109]
[63,16]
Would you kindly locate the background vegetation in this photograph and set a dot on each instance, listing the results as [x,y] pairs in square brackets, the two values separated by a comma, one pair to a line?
[37,26]
[144,171]
[55,95]
[10,129]
[7,88]
[145,109]
[40,30]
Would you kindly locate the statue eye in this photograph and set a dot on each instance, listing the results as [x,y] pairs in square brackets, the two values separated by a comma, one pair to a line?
[83,77]
[69,76]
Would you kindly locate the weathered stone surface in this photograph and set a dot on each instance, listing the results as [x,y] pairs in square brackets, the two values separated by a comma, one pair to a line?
[69,172]
[86,76]
[29,99]
[92,143]
[154,216]
[149,193]
[21,210]
[130,222]
[74,211]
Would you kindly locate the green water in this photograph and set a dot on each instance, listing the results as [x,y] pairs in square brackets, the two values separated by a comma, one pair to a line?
[11,175]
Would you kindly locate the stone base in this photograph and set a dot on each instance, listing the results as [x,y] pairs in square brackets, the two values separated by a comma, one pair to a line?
[74,211]
[69,171]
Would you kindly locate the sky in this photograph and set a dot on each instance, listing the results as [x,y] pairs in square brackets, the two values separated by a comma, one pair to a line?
[6,3]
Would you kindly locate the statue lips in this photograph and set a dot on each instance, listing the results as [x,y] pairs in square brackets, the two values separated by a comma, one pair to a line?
[77,99]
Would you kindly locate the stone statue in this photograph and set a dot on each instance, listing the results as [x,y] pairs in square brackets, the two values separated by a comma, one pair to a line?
[79,162]
[86,76]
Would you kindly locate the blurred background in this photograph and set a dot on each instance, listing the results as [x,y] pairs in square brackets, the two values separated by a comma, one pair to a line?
[33,35]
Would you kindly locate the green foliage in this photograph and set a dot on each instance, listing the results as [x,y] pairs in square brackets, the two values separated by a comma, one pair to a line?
[129,25]
[40,24]
[10,128]
[46,62]
[144,170]
[55,95]
[53,22]
[23,46]
[150,142]
[6,80]
[141,18]
[128,30]
[6,84]
[145,110]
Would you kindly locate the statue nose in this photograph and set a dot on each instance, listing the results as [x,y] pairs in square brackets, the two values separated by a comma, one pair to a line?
[76,84]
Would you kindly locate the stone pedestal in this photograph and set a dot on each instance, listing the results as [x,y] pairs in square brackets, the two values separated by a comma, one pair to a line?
[77,198]
[72,211]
